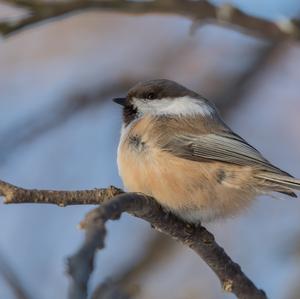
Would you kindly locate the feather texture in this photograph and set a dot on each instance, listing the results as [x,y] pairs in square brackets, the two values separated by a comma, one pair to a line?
[175,147]
[225,146]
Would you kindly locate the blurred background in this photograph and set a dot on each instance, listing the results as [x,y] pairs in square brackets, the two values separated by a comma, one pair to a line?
[59,129]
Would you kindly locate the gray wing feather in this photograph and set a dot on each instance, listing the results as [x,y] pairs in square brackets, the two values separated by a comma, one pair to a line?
[224,147]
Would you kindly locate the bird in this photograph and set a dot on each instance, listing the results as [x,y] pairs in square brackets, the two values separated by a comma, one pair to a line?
[175,147]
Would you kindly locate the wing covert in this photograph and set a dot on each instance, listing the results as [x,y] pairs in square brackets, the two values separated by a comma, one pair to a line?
[224,146]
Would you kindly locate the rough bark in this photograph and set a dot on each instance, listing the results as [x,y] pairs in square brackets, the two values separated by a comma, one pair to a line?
[113,203]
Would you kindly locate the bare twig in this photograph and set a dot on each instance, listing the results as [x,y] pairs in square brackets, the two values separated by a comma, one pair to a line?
[81,264]
[197,11]
[15,194]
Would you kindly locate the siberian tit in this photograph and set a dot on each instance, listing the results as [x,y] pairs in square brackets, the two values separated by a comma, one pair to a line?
[175,147]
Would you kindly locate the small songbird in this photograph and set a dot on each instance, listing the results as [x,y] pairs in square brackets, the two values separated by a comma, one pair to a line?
[175,147]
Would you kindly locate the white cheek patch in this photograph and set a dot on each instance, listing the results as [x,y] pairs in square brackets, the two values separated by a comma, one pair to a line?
[184,106]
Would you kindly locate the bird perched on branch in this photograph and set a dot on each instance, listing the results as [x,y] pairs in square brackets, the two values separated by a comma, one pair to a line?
[175,147]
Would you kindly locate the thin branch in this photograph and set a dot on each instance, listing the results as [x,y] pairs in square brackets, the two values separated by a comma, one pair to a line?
[81,264]
[197,11]
[15,194]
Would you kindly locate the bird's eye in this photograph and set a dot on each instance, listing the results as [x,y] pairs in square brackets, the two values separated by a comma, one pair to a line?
[150,96]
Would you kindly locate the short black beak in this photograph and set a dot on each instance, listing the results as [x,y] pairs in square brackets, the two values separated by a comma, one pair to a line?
[120,101]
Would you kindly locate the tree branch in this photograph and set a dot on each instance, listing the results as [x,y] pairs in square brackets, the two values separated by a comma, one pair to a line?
[198,11]
[115,202]
[15,194]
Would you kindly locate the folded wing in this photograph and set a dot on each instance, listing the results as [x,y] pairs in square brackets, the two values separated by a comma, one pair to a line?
[228,147]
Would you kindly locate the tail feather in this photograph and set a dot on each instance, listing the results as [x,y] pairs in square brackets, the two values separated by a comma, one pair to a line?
[286,192]
[280,183]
